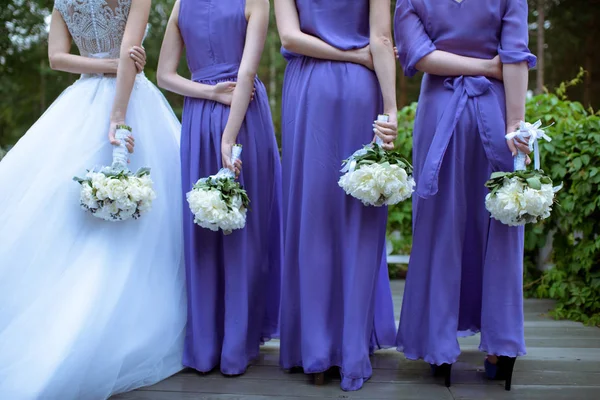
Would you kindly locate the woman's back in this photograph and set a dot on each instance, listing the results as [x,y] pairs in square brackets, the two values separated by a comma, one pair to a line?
[96,26]
[341,23]
[214,33]
[467,28]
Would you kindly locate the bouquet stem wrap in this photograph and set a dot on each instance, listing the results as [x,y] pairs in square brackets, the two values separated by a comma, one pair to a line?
[533,133]
[120,152]
[381,118]
[236,153]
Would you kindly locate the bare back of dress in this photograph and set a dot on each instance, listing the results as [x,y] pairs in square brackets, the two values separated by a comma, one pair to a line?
[96,26]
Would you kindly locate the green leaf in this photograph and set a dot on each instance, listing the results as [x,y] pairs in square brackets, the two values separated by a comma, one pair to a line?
[496,175]
[585,158]
[534,183]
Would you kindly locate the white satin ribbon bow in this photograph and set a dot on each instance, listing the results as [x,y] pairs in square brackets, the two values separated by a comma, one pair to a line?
[533,133]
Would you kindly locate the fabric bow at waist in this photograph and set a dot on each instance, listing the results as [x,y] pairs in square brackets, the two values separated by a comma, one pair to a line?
[216,72]
[490,123]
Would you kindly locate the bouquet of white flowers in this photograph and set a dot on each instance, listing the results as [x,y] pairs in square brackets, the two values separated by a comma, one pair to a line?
[377,177]
[114,193]
[219,201]
[521,197]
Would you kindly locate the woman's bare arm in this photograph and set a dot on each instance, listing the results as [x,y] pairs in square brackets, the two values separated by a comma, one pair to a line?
[257,12]
[516,78]
[448,64]
[59,47]
[384,62]
[170,54]
[133,36]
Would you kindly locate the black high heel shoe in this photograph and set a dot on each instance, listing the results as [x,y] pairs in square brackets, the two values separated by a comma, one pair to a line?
[444,370]
[502,370]
[319,378]
[323,377]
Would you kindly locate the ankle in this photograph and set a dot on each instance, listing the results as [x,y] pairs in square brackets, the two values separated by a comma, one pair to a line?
[492,359]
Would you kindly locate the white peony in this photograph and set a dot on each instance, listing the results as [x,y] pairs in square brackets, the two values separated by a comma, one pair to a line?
[515,203]
[135,190]
[378,184]
[116,189]
[211,212]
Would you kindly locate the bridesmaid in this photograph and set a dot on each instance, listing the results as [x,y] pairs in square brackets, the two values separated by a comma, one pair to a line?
[336,300]
[233,281]
[465,272]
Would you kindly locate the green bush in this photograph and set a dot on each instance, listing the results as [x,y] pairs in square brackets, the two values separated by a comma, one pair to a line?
[572,157]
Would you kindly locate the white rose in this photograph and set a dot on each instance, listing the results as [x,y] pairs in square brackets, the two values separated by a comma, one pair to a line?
[87,197]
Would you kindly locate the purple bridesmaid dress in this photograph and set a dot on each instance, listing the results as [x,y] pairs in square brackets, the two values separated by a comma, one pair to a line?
[233,282]
[465,272]
[336,301]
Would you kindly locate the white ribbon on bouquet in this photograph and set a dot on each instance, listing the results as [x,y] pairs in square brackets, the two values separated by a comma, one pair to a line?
[532,133]
[120,152]
[236,153]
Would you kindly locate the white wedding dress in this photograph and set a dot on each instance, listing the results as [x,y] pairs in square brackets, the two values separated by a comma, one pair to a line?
[89,308]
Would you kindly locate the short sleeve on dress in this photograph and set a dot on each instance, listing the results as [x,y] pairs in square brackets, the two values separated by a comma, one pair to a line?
[412,40]
[514,37]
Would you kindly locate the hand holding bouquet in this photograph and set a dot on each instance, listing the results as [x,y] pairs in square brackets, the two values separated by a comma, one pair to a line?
[219,201]
[521,197]
[377,177]
[114,193]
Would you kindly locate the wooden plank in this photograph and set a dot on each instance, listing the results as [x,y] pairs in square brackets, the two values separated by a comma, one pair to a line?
[398,259]
[531,342]
[562,363]
[157,395]
[371,390]
[420,373]
[537,358]
[519,392]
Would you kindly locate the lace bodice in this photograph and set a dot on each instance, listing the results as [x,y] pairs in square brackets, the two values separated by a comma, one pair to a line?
[97,26]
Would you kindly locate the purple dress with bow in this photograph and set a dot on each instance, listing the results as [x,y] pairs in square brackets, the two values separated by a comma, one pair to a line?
[465,272]
[233,281]
[336,300]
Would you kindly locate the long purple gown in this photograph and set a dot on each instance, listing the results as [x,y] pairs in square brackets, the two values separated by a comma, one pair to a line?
[336,299]
[465,271]
[233,282]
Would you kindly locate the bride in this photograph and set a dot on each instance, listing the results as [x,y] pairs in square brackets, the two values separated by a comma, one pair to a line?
[90,308]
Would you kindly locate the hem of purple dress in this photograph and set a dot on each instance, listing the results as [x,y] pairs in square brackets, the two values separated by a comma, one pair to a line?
[217,364]
[224,371]
[501,352]
[427,358]
[439,361]
[348,384]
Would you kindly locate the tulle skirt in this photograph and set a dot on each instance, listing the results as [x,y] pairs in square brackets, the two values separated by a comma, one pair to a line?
[89,308]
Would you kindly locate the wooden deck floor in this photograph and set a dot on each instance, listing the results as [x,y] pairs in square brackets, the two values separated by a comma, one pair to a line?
[563,362]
